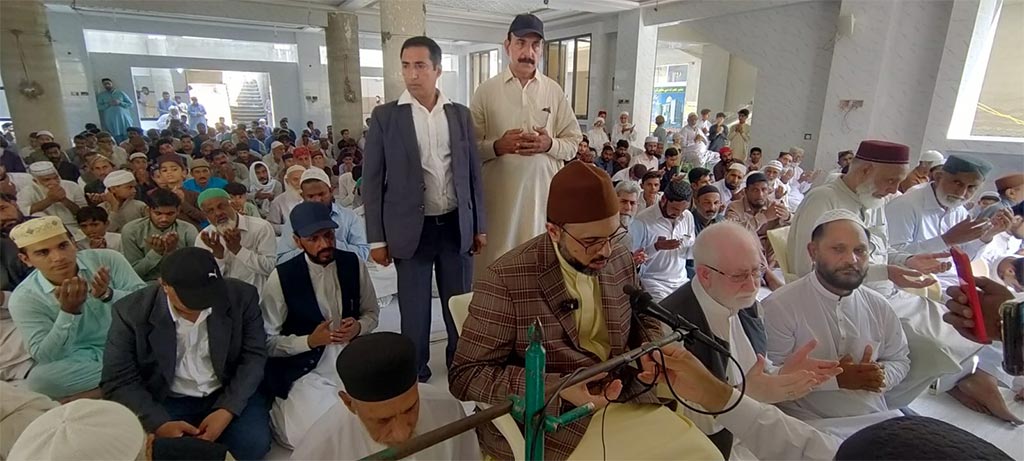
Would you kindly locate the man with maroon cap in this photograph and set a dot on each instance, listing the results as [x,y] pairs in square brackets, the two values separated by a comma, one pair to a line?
[570,279]
[872,179]
[526,130]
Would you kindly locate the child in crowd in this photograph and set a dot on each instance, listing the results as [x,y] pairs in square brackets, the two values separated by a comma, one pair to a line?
[94,221]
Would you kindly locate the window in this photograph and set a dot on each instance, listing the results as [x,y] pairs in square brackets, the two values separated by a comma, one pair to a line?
[105,41]
[567,61]
[990,102]
[482,66]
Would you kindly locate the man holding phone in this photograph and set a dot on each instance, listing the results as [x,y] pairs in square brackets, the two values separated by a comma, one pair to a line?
[306,327]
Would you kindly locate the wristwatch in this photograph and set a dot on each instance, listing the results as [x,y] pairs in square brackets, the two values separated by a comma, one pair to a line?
[108,295]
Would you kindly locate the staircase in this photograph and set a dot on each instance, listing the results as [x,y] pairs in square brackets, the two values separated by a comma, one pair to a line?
[249,104]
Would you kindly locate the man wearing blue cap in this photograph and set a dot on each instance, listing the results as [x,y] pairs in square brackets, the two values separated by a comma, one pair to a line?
[932,218]
[329,301]
[526,131]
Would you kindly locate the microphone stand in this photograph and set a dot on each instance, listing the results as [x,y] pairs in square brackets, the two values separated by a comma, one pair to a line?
[526,409]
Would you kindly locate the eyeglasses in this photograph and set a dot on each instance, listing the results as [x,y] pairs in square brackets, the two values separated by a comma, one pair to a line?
[595,244]
[744,276]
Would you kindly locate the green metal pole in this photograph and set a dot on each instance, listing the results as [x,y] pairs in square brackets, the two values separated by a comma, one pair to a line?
[535,363]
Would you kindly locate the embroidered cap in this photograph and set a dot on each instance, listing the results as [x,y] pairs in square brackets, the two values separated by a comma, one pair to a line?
[36,230]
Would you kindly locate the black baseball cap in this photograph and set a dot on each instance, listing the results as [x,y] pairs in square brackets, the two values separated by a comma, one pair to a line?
[195,277]
[308,218]
[525,24]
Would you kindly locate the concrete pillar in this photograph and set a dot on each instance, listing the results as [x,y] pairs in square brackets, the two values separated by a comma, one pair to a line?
[636,49]
[27,63]
[399,21]
[346,92]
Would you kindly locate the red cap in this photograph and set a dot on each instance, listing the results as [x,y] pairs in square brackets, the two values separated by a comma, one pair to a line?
[883,152]
[300,152]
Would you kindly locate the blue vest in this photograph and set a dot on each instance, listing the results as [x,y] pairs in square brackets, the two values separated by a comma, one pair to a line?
[304,316]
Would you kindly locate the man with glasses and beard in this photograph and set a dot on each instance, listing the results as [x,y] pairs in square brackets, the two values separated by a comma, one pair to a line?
[852,324]
[721,302]
[245,247]
[570,279]
[329,301]
[665,232]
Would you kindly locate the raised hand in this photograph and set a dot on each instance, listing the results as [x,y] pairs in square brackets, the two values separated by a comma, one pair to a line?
[233,240]
[930,263]
[580,394]
[991,295]
[71,294]
[863,376]
[908,278]
[155,243]
[801,360]
[101,283]
[768,388]
[966,231]
[56,194]
[666,244]
[212,241]
[170,241]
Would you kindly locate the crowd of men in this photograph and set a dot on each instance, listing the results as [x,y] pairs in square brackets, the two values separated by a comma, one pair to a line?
[211,288]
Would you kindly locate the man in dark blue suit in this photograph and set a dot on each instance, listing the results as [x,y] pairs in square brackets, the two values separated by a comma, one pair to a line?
[423,196]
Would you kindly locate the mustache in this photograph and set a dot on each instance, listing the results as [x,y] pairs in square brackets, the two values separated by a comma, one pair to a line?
[527,61]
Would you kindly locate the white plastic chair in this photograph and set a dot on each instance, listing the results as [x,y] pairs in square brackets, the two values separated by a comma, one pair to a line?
[459,307]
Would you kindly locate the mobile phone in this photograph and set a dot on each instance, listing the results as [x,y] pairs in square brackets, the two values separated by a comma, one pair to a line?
[1012,313]
[966,275]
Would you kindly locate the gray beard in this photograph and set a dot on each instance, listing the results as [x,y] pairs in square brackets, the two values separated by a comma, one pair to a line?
[231,224]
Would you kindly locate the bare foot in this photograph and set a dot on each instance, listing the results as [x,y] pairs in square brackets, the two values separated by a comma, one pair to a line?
[983,388]
[968,401]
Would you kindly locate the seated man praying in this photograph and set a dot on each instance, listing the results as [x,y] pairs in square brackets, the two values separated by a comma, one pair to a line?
[62,309]
[381,404]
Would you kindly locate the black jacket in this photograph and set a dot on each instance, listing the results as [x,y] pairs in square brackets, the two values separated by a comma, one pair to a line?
[140,357]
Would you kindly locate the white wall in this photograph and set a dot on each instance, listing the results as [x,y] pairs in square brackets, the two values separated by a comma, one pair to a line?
[714,71]
[740,85]
[789,46]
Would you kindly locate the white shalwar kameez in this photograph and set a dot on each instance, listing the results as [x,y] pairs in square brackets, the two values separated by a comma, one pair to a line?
[339,435]
[516,186]
[935,347]
[665,270]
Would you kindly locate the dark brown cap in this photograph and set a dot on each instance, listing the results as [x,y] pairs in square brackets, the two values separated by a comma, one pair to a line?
[581,193]
[883,152]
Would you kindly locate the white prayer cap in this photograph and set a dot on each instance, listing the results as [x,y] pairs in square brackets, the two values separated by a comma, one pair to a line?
[44,133]
[990,194]
[599,120]
[653,139]
[36,230]
[315,173]
[623,113]
[796,151]
[43,168]
[83,429]
[138,155]
[838,214]
[738,167]
[293,169]
[933,156]
[118,178]
[276,144]
[774,164]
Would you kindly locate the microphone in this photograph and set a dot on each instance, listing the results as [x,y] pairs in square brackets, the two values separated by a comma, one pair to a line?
[571,304]
[644,304]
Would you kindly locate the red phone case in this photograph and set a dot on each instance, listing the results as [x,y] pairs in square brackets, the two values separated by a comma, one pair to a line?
[966,275]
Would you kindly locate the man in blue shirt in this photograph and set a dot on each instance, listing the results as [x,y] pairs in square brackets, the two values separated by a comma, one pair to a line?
[351,233]
[202,178]
[62,309]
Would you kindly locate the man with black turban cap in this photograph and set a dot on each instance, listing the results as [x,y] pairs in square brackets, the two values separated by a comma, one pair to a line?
[382,405]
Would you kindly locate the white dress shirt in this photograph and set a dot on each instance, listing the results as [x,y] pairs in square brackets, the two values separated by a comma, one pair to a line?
[621,175]
[804,310]
[339,434]
[917,222]
[28,196]
[346,195]
[724,191]
[693,150]
[257,257]
[649,161]
[435,154]
[292,418]
[665,270]
[771,434]
[194,375]
[629,136]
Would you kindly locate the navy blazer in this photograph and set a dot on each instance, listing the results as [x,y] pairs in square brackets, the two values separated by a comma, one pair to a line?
[141,352]
[393,183]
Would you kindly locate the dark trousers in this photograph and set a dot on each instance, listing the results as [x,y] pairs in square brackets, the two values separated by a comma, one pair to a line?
[248,435]
[437,254]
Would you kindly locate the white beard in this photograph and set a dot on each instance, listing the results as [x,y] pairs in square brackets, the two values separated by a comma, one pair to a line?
[231,224]
[948,201]
[865,195]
